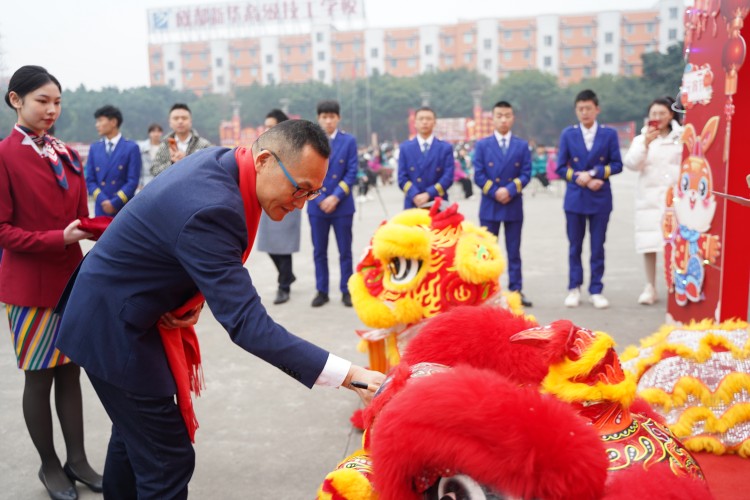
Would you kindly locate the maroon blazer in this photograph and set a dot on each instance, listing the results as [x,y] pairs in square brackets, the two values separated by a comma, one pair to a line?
[34,211]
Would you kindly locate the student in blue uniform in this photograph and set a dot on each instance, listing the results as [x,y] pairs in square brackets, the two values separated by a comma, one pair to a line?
[113,168]
[589,155]
[425,163]
[502,167]
[335,208]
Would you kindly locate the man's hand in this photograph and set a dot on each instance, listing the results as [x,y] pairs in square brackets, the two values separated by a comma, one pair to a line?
[71,234]
[108,207]
[176,156]
[329,204]
[363,376]
[582,178]
[595,184]
[502,195]
[190,318]
[421,199]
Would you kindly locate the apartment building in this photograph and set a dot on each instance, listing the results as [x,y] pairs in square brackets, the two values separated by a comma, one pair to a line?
[214,49]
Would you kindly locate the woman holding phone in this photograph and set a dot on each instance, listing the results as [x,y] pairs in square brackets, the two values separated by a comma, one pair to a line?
[655,154]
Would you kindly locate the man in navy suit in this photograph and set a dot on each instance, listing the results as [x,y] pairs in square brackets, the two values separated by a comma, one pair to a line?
[425,163]
[335,208]
[502,167]
[113,168]
[158,252]
[589,154]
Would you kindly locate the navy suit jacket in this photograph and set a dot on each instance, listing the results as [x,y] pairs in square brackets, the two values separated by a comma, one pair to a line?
[419,173]
[157,253]
[115,177]
[341,176]
[493,170]
[573,157]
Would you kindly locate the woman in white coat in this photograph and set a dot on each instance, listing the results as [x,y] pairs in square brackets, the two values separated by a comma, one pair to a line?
[655,154]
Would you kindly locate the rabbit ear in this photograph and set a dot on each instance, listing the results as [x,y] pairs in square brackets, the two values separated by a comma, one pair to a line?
[709,133]
[688,137]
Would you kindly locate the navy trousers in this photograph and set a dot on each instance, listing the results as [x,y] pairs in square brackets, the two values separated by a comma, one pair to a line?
[576,225]
[149,455]
[342,229]
[283,263]
[512,248]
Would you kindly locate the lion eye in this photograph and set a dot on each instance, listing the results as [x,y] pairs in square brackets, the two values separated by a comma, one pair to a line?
[460,487]
[703,188]
[685,182]
[403,270]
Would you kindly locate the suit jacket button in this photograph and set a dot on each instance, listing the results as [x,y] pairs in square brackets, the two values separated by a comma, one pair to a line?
[334,176]
[113,182]
[341,160]
[497,179]
[119,168]
[575,158]
[518,164]
[419,179]
[97,169]
[601,158]
[491,164]
[411,168]
[439,169]
[324,190]
[103,183]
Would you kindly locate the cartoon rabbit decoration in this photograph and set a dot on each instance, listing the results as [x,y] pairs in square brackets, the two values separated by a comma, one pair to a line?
[690,209]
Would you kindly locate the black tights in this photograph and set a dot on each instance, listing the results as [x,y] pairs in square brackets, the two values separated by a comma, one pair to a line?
[37,412]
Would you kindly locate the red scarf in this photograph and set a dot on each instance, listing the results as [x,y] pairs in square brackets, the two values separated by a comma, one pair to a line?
[56,153]
[181,344]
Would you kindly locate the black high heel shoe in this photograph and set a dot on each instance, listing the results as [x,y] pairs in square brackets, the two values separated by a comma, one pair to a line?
[74,476]
[68,494]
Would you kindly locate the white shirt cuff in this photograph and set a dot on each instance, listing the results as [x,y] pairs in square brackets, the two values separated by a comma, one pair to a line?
[334,372]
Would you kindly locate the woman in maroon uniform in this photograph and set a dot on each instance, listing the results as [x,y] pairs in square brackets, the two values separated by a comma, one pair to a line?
[42,198]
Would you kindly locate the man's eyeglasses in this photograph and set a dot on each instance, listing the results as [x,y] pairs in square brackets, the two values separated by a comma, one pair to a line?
[299,192]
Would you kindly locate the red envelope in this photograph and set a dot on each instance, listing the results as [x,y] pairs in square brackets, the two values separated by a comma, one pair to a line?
[95,225]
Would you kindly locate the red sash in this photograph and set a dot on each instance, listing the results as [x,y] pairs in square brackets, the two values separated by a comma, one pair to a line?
[181,344]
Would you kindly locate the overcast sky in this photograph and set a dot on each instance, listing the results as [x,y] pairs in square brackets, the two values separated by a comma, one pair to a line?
[101,43]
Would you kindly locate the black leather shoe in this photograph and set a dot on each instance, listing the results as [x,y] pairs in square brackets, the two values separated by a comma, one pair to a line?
[347,299]
[281,296]
[524,301]
[68,494]
[320,299]
[94,485]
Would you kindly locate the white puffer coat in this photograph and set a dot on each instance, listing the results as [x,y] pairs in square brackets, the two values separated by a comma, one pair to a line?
[658,167]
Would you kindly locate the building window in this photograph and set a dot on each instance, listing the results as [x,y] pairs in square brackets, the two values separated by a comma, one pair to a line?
[220,81]
[488,64]
[305,68]
[587,31]
[303,49]
[488,43]
[269,58]
[527,34]
[339,68]
[527,54]
[608,58]
[321,75]
[566,53]
[357,45]
[410,43]
[507,55]
[357,66]
[236,53]
[237,72]
[508,35]
[253,52]
[629,50]
[156,58]
[171,82]
[548,41]
[287,68]
[188,75]
[270,78]
[467,57]
[319,38]
[321,56]
[566,72]
[428,50]
[673,12]
[288,50]
[339,47]
[170,65]
[157,75]
[204,74]
[673,34]
[430,68]
[629,29]
[567,32]
[187,56]
[219,62]
[628,69]
[448,60]
[609,37]
[394,63]
[468,37]
[448,40]
[393,44]
[547,61]
[411,62]
[587,71]
[649,27]
[587,51]
[373,53]
[204,56]
[254,71]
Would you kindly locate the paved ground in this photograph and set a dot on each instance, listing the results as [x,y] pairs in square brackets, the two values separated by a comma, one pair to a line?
[263,435]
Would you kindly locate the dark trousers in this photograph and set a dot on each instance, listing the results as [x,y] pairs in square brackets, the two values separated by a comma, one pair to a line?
[320,227]
[149,455]
[512,248]
[543,179]
[467,185]
[283,263]
[576,226]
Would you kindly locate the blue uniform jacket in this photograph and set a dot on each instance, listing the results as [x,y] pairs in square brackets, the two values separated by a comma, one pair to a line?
[419,173]
[573,157]
[115,177]
[183,233]
[493,170]
[341,176]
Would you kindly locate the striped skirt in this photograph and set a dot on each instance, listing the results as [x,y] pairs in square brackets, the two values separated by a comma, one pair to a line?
[34,333]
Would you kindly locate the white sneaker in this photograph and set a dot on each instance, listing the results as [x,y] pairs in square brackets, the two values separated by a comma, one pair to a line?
[648,296]
[599,301]
[574,298]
